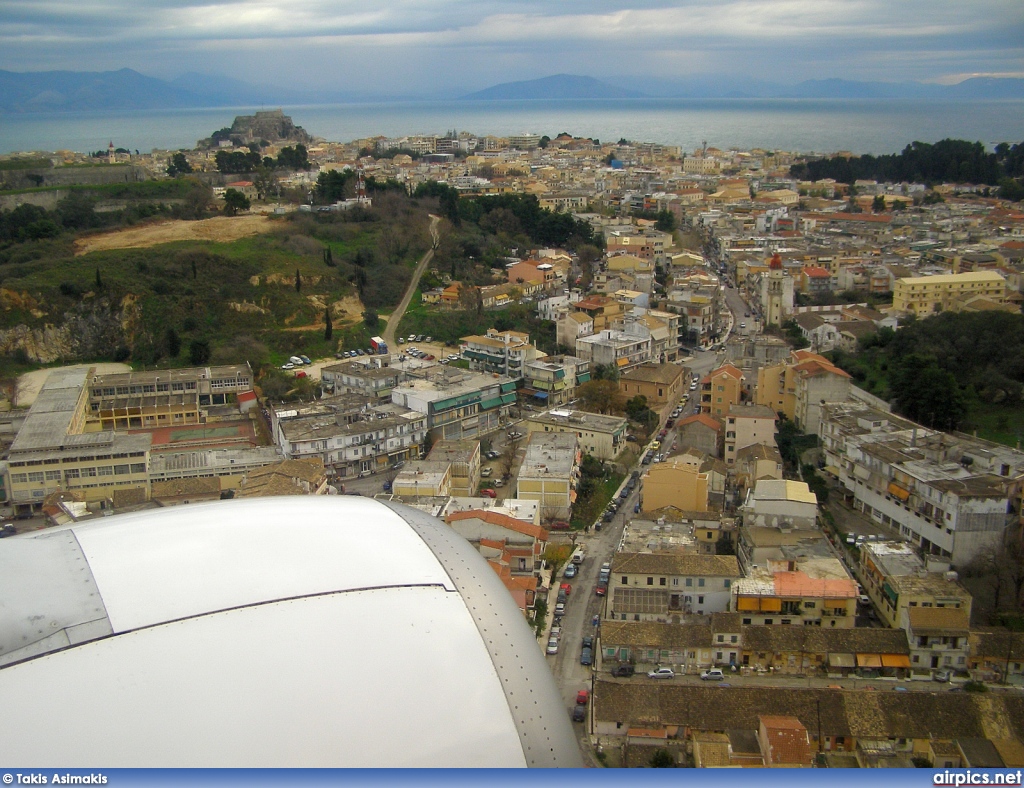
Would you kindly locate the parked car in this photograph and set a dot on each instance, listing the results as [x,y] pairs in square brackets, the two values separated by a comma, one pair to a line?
[288,365]
[570,571]
[579,713]
[712,674]
[492,454]
[305,360]
[296,361]
[486,472]
[567,588]
[588,642]
[552,646]
[487,492]
[560,609]
[499,482]
[601,589]
[7,529]
[662,673]
[942,676]
[582,697]
[300,374]
[587,657]
[623,671]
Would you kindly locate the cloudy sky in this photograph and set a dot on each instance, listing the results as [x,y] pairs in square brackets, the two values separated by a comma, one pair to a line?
[402,46]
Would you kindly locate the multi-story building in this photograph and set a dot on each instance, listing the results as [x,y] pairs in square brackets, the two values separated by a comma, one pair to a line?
[938,637]
[676,482]
[571,326]
[803,592]
[552,380]
[895,579]
[720,389]
[950,495]
[549,473]
[350,436]
[503,352]
[780,503]
[666,586]
[926,295]
[161,397]
[599,436]
[423,478]
[464,457]
[371,376]
[457,403]
[798,387]
[53,451]
[660,384]
[746,425]
[620,350]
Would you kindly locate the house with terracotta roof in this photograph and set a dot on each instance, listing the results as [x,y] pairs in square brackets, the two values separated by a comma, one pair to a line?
[798,387]
[720,389]
[815,281]
[475,525]
[784,741]
[288,477]
[702,432]
[800,592]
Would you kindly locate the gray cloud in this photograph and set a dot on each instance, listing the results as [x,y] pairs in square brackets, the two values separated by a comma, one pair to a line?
[476,42]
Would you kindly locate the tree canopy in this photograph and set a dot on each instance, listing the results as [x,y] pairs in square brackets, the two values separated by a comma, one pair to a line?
[949,160]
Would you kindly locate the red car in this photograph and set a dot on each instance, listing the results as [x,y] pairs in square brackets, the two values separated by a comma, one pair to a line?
[488,493]
[582,697]
[601,589]
[567,587]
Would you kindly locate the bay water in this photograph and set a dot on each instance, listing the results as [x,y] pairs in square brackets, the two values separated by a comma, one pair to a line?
[861,126]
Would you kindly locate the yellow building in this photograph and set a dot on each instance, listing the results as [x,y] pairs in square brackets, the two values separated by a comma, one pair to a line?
[805,592]
[720,390]
[674,483]
[549,473]
[926,295]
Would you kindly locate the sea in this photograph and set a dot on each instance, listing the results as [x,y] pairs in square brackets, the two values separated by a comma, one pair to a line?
[861,126]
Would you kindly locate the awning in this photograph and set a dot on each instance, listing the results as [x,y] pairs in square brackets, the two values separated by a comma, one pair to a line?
[540,395]
[622,361]
[583,378]
[895,661]
[493,402]
[899,492]
[508,399]
[869,661]
[841,660]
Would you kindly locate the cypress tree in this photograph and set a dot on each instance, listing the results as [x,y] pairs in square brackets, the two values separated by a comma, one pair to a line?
[298,281]
[329,329]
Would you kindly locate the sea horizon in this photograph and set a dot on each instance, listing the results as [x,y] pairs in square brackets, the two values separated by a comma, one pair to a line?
[861,126]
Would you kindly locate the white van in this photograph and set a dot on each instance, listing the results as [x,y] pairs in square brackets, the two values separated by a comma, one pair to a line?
[296,361]
[578,556]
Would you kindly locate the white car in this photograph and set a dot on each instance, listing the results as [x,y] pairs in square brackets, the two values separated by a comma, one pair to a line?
[552,646]
[713,674]
[288,365]
[662,673]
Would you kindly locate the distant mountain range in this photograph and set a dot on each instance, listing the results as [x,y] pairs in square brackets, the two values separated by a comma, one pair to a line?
[56,91]
[567,86]
[559,86]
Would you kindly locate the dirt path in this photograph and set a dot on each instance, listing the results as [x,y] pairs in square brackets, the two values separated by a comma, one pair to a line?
[219,228]
[396,316]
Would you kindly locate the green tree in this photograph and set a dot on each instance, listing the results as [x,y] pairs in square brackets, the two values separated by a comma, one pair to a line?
[173,342]
[178,165]
[235,201]
[199,352]
[662,759]
[99,280]
[328,328]
[878,204]
[926,393]
[636,407]
[371,319]
[666,221]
